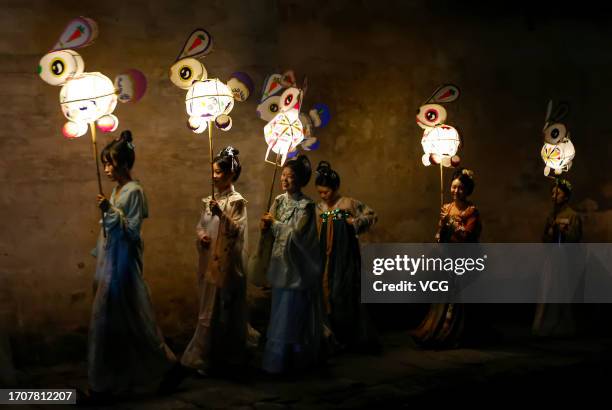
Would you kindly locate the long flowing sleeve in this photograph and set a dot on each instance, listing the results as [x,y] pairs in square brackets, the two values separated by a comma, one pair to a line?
[364,218]
[228,259]
[294,262]
[129,220]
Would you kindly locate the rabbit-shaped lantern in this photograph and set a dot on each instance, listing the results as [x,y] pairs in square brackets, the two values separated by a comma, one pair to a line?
[318,116]
[86,98]
[208,99]
[558,150]
[440,141]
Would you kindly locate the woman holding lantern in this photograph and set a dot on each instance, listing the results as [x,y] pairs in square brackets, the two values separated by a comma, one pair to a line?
[293,271]
[220,335]
[443,326]
[340,220]
[126,348]
[563,225]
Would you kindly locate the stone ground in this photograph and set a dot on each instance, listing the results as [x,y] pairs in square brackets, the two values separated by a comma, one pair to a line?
[519,370]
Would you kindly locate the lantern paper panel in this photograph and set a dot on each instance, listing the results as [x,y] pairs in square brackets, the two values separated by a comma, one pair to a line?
[441,144]
[283,134]
[209,99]
[88,97]
[558,157]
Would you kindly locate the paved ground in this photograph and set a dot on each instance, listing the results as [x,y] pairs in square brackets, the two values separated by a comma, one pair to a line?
[523,370]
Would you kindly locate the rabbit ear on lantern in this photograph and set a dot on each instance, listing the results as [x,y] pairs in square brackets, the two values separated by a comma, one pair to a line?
[444,94]
[272,86]
[80,32]
[288,79]
[548,113]
[304,86]
[198,44]
[560,112]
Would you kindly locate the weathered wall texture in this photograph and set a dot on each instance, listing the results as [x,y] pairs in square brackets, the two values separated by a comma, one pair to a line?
[372,62]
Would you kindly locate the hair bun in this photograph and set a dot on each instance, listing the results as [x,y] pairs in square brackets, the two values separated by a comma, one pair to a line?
[126,136]
[229,151]
[323,166]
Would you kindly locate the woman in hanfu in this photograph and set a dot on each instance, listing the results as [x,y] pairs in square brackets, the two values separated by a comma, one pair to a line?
[220,335]
[126,347]
[294,273]
[563,225]
[443,326]
[340,220]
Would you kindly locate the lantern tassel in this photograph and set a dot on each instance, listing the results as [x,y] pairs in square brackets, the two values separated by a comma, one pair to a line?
[92,127]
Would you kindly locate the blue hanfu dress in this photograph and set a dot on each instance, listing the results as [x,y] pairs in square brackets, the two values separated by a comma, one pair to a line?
[126,347]
[294,273]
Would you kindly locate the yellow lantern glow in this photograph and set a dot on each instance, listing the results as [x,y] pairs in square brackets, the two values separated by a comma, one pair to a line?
[283,133]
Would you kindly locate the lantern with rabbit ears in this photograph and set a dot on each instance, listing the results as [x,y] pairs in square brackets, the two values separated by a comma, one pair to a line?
[86,98]
[208,100]
[317,117]
[440,141]
[558,151]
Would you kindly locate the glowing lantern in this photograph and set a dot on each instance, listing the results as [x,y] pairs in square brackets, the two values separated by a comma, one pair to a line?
[440,141]
[283,133]
[558,150]
[88,97]
[441,144]
[558,157]
[208,99]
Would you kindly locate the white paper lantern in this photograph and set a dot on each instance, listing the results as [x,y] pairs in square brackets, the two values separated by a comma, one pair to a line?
[88,97]
[283,133]
[558,156]
[442,141]
[209,99]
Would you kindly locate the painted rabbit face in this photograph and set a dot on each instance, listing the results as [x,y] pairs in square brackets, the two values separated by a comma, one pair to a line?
[430,115]
[207,99]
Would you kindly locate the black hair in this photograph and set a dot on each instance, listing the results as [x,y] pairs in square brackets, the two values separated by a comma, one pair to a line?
[301,168]
[326,176]
[466,177]
[228,161]
[565,186]
[120,152]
